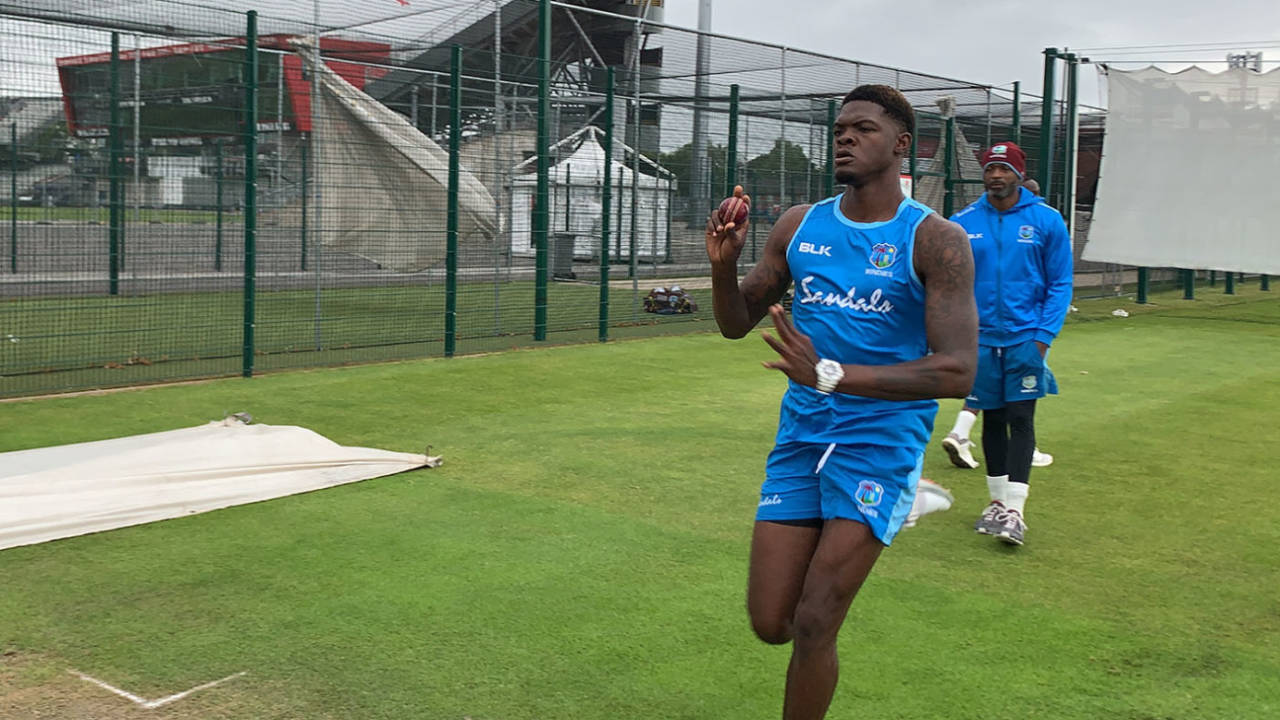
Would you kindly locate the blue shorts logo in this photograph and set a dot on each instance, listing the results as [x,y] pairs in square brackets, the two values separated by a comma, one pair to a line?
[869,493]
[883,255]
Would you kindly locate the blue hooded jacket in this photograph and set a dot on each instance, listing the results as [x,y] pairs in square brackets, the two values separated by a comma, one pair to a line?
[1022,269]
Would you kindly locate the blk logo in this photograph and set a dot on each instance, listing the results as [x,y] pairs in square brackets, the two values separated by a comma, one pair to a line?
[812,249]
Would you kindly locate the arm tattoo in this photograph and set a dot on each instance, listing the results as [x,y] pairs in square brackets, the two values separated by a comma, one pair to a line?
[944,262]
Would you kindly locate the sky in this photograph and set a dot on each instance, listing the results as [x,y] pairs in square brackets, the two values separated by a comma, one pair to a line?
[998,41]
[987,41]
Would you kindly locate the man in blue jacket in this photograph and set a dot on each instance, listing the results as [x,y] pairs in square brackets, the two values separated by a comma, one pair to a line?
[958,446]
[1023,284]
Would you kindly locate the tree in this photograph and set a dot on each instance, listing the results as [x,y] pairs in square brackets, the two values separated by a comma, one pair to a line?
[763,177]
[680,162]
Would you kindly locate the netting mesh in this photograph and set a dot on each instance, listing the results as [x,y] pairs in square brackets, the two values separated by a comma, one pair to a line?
[128,236]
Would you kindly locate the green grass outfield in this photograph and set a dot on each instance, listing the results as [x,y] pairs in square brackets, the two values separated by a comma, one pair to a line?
[582,552]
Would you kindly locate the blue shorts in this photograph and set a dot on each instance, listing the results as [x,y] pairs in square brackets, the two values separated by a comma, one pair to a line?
[870,484]
[1010,374]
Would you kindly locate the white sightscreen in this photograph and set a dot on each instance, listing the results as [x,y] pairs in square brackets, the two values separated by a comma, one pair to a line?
[1190,169]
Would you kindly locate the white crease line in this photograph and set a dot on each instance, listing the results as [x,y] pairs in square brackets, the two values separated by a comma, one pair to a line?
[151,704]
[104,686]
[179,696]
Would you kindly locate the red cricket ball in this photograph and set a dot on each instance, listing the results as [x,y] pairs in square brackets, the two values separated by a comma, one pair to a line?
[734,210]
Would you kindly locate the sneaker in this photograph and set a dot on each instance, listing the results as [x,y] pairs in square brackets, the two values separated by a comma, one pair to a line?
[930,498]
[992,520]
[1012,528]
[1039,459]
[960,450]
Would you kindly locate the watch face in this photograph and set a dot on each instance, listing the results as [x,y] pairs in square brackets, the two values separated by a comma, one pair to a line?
[829,369]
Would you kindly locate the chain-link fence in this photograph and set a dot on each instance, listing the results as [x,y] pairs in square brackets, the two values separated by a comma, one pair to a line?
[194,193]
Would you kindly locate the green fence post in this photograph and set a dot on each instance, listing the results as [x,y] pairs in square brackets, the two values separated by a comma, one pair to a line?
[1230,284]
[217,210]
[1144,284]
[451,226]
[948,162]
[1069,151]
[1017,111]
[1044,170]
[1188,284]
[1264,283]
[831,148]
[568,194]
[1213,278]
[114,209]
[606,201]
[541,210]
[306,143]
[250,75]
[751,226]
[731,154]
[13,197]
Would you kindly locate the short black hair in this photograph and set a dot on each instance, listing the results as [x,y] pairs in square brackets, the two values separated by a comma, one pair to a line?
[894,103]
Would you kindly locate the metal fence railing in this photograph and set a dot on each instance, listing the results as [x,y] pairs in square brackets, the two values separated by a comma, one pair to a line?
[196,191]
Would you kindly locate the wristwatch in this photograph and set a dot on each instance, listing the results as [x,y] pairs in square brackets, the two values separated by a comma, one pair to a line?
[830,373]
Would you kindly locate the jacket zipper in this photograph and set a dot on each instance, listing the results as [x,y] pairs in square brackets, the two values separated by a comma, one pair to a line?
[1000,272]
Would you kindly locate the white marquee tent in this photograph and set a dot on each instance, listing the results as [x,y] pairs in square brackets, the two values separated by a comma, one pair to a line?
[576,181]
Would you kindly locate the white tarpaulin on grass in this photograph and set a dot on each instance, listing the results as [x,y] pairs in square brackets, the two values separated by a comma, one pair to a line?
[68,490]
[1189,169]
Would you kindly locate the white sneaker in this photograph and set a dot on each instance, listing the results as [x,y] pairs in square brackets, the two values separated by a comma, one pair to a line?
[930,498]
[960,450]
[1039,459]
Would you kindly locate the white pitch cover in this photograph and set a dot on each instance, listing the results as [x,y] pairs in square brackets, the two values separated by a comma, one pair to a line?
[68,490]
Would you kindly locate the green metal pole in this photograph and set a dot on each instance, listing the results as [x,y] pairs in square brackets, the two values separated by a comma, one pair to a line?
[1069,161]
[948,181]
[541,209]
[666,257]
[1230,285]
[1144,284]
[306,143]
[13,197]
[606,200]
[731,154]
[751,227]
[568,194]
[1044,168]
[250,70]
[1213,278]
[114,208]
[451,227]
[1188,284]
[1264,283]
[1017,111]
[831,148]
[217,184]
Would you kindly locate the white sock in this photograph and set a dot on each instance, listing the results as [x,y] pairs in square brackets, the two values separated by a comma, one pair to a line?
[1016,497]
[997,486]
[964,423]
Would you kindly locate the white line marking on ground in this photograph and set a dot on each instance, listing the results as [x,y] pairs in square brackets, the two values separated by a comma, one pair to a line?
[150,704]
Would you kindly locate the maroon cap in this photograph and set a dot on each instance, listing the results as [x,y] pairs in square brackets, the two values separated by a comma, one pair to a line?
[1006,154]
